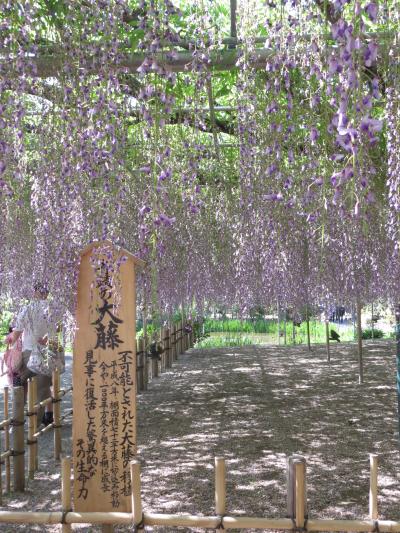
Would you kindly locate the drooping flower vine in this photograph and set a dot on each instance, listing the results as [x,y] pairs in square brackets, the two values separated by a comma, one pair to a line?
[286,192]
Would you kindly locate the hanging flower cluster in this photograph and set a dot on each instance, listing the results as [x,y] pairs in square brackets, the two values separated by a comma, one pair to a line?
[275,182]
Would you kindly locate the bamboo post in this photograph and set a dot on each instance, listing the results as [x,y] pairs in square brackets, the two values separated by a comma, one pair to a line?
[177,341]
[397,333]
[184,337]
[142,348]
[35,422]
[57,415]
[18,439]
[144,336]
[7,439]
[290,488]
[138,364]
[359,343]
[140,361]
[1,475]
[220,486]
[167,346]
[137,513]
[154,363]
[373,487]
[31,431]
[279,324]
[291,484]
[372,320]
[300,495]
[174,345]
[149,361]
[328,348]
[66,491]
[164,354]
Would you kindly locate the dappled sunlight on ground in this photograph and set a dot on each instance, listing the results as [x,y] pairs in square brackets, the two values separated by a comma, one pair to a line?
[255,406]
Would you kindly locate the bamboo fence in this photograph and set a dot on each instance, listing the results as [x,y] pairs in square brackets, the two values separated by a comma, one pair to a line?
[297,518]
[12,454]
[175,340]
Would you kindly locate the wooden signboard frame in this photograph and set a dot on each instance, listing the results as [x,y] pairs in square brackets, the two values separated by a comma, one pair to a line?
[104,379]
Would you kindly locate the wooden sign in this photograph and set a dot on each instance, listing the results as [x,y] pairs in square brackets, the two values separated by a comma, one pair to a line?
[104,379]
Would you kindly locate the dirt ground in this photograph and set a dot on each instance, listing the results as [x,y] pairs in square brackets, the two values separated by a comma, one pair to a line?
[256,405]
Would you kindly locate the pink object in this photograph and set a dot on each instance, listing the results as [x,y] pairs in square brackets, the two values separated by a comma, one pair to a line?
[12,358]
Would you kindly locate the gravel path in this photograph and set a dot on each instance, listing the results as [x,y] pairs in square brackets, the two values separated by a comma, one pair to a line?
[255,406]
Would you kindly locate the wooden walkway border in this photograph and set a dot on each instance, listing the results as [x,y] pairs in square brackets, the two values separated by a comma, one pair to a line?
[296,521]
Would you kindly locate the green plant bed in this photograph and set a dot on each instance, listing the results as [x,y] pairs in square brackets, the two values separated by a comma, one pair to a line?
[270,327]
[372,334]
[221,342]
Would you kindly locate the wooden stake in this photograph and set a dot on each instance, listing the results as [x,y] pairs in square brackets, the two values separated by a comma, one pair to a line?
[174,345]
[372,321]
[18,439]
[137,513]
[35,422]
[284,328]
[220,486]
[154,362]
[291,511]
[164,354]
[328,348]
[7,439]
[31,431]
[359,342]
[141,360]
[66,490]
[308,332]
[182,338]
[373,488]
[300,492]
[291,484]
[144,337]
[1,477]
[57,415]
[167,341]
[279,325]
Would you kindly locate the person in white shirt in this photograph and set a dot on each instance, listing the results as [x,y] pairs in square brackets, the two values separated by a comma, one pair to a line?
[34,324]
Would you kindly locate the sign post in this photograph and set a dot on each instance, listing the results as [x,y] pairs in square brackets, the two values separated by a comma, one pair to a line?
[104,379]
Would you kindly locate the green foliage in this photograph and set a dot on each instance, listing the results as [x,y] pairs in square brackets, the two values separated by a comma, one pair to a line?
[270,328]
[221,342]
[151,328]
[5,319]
[372,334]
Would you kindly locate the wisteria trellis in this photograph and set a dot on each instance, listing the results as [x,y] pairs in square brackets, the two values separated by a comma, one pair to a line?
[297,203]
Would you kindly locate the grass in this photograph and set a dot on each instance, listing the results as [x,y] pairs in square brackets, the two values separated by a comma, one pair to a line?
[222,342]
[265,331]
